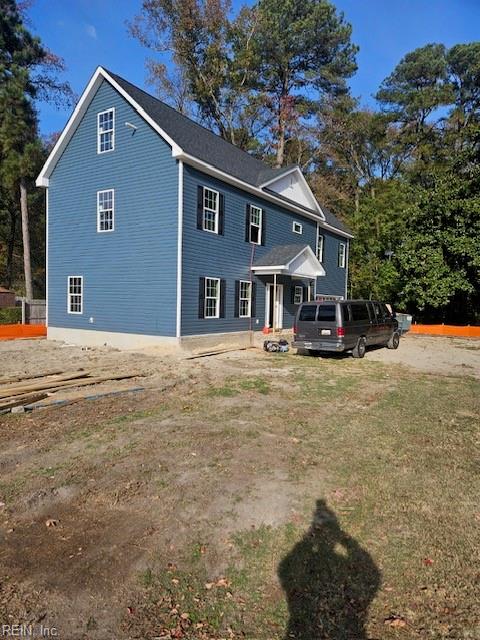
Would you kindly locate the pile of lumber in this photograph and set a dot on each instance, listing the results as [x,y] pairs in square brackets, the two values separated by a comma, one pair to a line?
[25,390]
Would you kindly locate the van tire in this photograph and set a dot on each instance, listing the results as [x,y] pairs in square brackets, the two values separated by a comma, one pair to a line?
[359,350]
[394,341]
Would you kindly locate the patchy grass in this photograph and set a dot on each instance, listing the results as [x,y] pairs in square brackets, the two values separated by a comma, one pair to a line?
[343,506]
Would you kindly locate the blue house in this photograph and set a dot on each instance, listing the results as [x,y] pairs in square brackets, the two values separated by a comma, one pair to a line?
[161,232]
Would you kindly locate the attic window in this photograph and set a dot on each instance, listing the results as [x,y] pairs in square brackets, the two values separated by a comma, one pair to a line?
[106,131]
[297,227]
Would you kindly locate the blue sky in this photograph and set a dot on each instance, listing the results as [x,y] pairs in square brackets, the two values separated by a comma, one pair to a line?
[88,33]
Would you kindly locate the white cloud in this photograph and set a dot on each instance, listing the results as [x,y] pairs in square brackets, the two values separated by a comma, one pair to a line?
[91,31]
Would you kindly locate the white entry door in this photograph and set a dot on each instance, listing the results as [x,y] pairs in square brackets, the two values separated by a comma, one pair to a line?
[274,306]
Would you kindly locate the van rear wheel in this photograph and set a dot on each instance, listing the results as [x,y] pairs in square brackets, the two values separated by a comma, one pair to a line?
[360,348]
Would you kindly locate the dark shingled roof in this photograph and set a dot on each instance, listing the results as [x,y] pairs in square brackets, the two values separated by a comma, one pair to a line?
[280,255]
[207,146]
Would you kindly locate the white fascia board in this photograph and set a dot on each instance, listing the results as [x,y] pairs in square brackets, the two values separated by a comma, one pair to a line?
[273,269]
[304,182]
[78,113]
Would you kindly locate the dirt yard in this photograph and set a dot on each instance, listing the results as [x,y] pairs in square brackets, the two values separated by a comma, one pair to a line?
[247,495]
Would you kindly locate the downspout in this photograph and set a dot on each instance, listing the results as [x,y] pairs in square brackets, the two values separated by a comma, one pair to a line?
[252,257]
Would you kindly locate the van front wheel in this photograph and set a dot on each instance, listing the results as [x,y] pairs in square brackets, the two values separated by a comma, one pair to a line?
[360,348]
[394,341]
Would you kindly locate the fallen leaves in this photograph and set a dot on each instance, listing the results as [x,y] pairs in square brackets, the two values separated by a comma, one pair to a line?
[395,622]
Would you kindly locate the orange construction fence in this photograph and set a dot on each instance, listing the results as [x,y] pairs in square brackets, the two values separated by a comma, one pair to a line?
[445,330]
[19,331]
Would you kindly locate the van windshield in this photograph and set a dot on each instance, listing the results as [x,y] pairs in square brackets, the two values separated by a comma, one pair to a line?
[307,313]
[360,311]
[326,313]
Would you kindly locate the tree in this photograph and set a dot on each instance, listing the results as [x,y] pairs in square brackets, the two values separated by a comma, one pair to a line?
[304,52]
[28,71]
[440,257]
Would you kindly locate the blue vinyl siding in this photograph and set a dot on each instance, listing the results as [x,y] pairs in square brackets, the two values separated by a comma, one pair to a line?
[229,257]
[129,275]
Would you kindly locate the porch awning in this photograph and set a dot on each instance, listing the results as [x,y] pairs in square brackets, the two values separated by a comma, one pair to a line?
[295,260]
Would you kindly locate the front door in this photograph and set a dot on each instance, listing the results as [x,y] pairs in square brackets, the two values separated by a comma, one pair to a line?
[274,306]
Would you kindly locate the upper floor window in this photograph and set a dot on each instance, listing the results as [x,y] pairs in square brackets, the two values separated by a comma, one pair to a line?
[105,210]
[106,131]
[75,294]
[342,254]
[255,225]
[210,208]
[320,243]
[297,227]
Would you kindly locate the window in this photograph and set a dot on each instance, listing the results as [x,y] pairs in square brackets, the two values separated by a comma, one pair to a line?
[255,225]
[298,295]
[75,294]
[106,131]
[359,311]
[342,250]
[105,209]
[210,210]
[212,297]
[245,299]
[320,243]
[308,313]
[326,313]
[297,227]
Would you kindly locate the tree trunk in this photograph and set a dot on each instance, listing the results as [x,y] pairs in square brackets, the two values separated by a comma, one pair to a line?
[26,240]
[11,248]
[357,200]
[280,143]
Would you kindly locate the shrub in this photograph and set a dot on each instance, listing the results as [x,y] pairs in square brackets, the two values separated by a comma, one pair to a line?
[11,315]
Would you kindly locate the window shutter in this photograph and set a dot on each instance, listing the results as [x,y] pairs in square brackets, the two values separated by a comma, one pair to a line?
[200,207]
[247,223]
[264,226]
[221,212]
[305,294]
[237,298]
[201,297]
[254,300]
[223,287]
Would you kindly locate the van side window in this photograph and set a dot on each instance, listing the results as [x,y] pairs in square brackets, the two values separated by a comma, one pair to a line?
[326,313]
[378,311]
[346,313]
[360,311]
[385,310]
[307,313]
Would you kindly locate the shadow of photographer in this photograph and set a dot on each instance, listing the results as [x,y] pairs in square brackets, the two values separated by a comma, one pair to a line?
[329,581]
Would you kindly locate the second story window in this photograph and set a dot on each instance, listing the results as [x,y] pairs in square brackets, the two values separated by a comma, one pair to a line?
[342,253]
[210,208]
[106,131]
[320,243]
[105,210]
[254,224]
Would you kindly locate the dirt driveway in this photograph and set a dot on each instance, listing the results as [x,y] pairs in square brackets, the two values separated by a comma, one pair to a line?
[185,510]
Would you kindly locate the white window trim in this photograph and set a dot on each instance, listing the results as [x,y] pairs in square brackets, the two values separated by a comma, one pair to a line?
[299,228]
[217,212]
[249,299]
[98,211]
[297,288]
[320,235]
[111,110]
[343,254]
[217,314]
[259,226]
[74,313]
